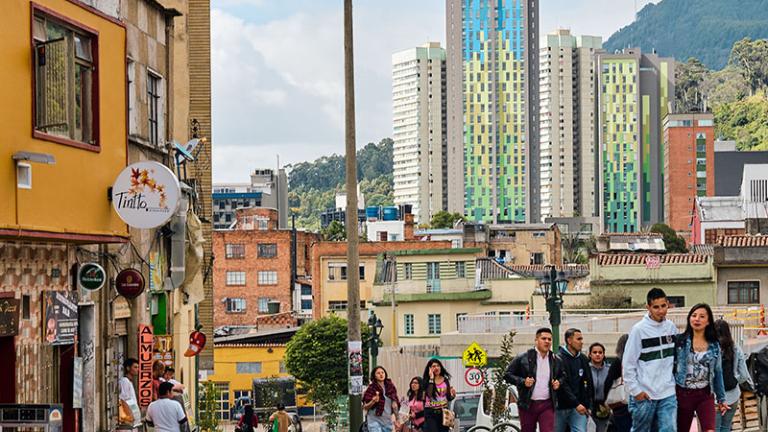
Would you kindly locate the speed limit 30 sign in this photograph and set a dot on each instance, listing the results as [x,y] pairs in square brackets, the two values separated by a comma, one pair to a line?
[473,377]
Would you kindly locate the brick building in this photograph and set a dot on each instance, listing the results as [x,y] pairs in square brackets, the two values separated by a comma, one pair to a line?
[252,271]
[329,271]
[689,154]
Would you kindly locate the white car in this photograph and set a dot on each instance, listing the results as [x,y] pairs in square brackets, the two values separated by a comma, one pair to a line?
[469,412]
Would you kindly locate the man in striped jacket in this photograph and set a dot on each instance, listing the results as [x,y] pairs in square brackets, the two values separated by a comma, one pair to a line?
[648,364]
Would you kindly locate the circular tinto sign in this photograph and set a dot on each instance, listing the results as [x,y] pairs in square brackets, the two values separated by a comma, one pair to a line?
[91,276]
[146,194]
[129,283]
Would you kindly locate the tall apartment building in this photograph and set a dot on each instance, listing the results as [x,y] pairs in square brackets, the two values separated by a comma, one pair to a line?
[419,129]
[493,108]
[635,92]
[689,167]
[567,124]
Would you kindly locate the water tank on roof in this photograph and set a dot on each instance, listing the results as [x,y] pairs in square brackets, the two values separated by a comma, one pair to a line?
[390,213]
[372,213]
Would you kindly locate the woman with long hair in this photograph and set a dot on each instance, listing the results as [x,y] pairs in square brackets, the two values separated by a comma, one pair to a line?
[620,417]
[248,421]
[699,371]
[438,393]
[416,404]
[380,401]
[735,372]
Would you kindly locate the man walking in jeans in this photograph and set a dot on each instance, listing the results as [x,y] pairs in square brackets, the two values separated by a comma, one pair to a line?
[537,374]
[648,362]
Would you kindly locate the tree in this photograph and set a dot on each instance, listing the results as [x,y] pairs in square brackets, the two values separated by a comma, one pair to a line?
[317,356]
[688,79]
[572,248]
[751,59]
[497,387]
[209,406]
[444,219]
[334,232]
[673,242]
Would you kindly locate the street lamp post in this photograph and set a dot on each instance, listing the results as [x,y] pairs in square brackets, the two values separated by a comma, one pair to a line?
[375,326]
[553,286]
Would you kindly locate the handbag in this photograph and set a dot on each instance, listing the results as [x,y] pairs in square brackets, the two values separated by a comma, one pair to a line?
[124,414]
[449,418]
[617,395]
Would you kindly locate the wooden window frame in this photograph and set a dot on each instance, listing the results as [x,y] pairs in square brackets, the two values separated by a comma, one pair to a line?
[93,34]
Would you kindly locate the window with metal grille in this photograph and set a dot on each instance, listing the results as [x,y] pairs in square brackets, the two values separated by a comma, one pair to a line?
[408,325]
[64,80]
[460,269]
[267,250]
[434,324]
[234,250]
[236,278]
[154,87]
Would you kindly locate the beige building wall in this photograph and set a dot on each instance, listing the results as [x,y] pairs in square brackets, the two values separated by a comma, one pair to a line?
[335,289]
[567,108]
[419,129]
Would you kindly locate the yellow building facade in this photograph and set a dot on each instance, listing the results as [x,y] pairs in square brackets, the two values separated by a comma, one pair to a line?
[237,365]
[64,141]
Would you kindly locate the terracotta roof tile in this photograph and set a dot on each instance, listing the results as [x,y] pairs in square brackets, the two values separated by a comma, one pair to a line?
[743,241]
[639,259]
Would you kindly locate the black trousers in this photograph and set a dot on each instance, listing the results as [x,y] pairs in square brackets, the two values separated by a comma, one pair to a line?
[433,420]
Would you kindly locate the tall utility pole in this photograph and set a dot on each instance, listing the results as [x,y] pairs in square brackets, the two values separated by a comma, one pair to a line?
[353,273]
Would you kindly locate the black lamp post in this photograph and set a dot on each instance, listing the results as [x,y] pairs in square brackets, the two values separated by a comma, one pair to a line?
[553,286]
[375,326]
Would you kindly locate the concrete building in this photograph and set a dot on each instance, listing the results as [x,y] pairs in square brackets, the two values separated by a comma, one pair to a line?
[742,269]
[254,275]
[266,189]
[686,278]
[420,134]
[329,272]
[689,168]
[567,124]
[747,213]
[60,156]
[493,105]
[525,244]
[635,92]
[729,167]
[434,288]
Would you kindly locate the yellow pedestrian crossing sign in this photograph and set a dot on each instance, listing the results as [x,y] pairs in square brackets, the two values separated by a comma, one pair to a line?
[474,355]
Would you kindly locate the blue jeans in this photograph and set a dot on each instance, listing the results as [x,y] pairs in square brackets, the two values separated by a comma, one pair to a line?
[723,423]
[570,417]
[378,427]
[654,415]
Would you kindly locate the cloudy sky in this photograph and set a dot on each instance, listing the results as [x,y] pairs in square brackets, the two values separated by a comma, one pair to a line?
[277,70]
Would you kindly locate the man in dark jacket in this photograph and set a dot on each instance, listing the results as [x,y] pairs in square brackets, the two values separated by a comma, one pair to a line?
[538,375]
[574,400]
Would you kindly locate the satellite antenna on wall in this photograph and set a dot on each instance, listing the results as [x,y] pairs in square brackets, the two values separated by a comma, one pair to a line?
[186,153]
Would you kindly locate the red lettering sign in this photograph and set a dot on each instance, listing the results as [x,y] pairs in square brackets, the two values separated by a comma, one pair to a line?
[145,365]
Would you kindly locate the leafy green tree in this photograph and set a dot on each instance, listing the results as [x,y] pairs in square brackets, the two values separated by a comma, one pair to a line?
[335,231]
[317,356]
[444,219]
[751,59]
[688,79]
[673,242]
[495,386]
[209,406]
[573,248]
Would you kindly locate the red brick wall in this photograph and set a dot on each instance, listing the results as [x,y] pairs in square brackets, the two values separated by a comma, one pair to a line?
[369,249]
[251,265]
[680,175]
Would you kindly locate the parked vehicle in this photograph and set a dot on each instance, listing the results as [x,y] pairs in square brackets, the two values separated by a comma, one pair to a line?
[469,411]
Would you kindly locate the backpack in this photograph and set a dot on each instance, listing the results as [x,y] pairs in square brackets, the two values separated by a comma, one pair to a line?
[760,371]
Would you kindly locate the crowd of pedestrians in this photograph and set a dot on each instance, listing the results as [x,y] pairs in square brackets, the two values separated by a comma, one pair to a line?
[660,380]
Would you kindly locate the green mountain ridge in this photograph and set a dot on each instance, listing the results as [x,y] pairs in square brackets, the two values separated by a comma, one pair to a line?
[704,29]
